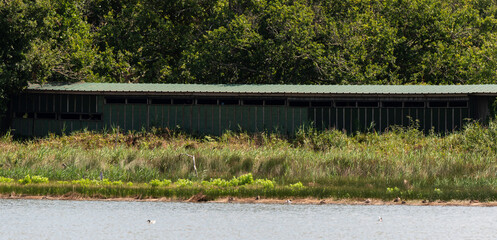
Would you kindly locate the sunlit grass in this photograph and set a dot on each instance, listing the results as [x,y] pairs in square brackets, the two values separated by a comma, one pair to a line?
[459,163]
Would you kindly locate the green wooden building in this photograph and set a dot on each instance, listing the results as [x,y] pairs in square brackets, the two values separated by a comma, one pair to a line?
[213,109]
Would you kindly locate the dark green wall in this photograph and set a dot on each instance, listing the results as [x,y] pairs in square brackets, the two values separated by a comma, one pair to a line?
[40,114]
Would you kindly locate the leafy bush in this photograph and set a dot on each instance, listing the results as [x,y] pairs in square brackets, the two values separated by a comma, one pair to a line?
[166,182]
[159,183]
[297,186]
[393,190]
[117,183]
[183,183]
[219,182]
[266,183]
[25,180]
[85,182]
[242,180]
[155,183]
[39,179]
[6,180]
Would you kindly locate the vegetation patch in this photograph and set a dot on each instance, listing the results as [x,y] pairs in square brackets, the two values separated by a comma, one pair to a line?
[403,162]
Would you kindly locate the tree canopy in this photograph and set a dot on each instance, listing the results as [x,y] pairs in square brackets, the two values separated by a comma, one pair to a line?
[247,41]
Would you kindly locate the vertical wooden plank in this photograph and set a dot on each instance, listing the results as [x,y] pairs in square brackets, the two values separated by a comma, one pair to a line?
[453,127]
[399,116]
[274,113]
[329,118]
[352,116]
[263,114]
[189,118]
[458,119]
[333,118]
[293,120]
[341,119]
[210,119]
[220,124]
[148,116]
[286,120]
[133,114]
[110,115]
[259,119]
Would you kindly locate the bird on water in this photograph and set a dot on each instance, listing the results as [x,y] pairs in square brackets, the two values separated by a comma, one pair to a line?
[151,221]
[380,219]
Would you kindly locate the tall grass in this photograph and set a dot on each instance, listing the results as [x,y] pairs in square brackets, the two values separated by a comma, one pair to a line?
[462,159]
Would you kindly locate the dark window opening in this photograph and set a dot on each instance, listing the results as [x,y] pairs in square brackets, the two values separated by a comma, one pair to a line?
[115,100]
[414,104]
[367,104]
[183,101]
[46,116]
[321,104]
[94,116]
[438,104]
[24,115]
[228,101]
[458,104]
[137,101]
[160,101]
[392,104]
[69,116]
[207,101]
[253,102]
[298,103]
[345,104]
[275,102]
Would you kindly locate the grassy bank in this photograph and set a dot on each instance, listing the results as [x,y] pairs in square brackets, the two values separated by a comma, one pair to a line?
[402,162]
[184,189]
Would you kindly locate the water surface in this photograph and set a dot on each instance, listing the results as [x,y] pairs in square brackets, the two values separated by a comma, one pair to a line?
[51,219]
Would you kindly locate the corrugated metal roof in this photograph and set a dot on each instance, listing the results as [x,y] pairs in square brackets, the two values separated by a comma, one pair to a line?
[490,89]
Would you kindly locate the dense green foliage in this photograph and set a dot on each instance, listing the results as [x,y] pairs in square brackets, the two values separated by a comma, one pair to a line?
[248,41]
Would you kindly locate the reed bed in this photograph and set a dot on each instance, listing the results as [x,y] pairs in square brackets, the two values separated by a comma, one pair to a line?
[459,164]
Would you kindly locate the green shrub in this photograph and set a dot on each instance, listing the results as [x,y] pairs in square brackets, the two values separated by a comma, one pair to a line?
[297,186]
[6,180]
[155,183]
[393,190]
[39,179]
[117,183]
[159,183]
[183,183]
[245,179]
[85,182]
[266,183]
[166,182]
[25,180]
[219,182]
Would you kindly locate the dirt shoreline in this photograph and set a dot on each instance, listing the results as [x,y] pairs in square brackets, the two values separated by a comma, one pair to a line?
[312,201]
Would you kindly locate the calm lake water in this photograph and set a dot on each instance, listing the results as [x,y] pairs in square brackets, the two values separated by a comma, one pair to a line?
[45,219]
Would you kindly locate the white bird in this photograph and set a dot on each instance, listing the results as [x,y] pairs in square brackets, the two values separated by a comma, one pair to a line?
[288,201]
[380,219]
[151,221]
